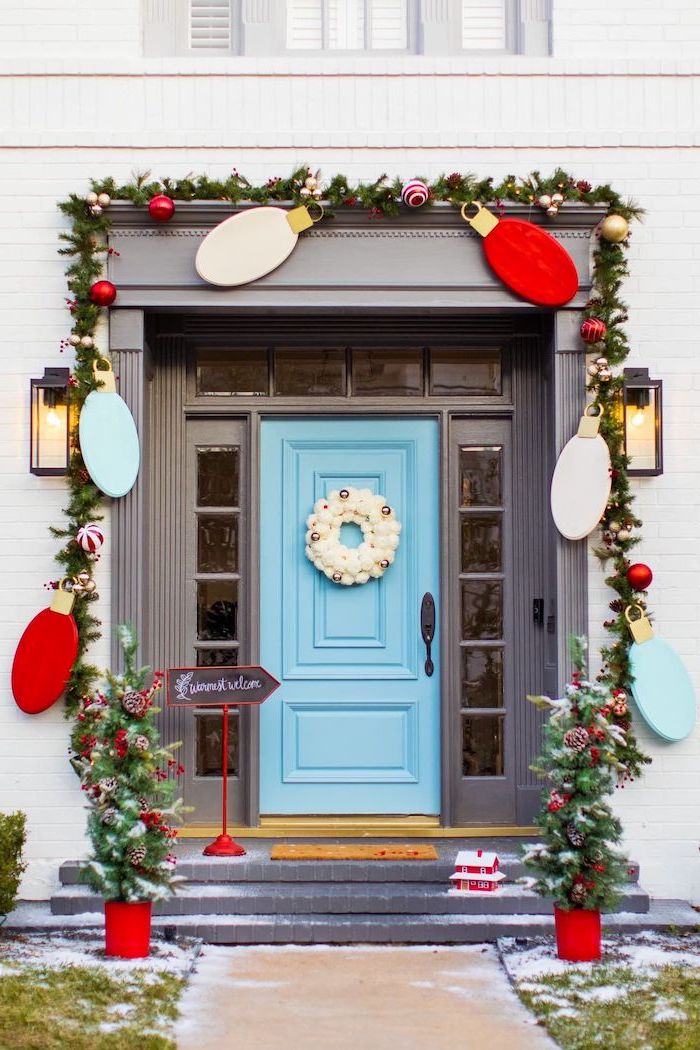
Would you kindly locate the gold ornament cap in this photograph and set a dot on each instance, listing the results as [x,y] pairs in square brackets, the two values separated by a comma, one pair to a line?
[589,425]
[301,219]
[484,221]
[63,600]
[640,627]
[104,376]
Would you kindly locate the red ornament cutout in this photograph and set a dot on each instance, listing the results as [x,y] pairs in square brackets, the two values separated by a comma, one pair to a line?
[526,258]
[45,656]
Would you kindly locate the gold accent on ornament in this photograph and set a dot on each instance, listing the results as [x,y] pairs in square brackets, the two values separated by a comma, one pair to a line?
[641,628]
[483,221]
[590,425]
[105,376]
[301,219]
[614,228]
[63,599]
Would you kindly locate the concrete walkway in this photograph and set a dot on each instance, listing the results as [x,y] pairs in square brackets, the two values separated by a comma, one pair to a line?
[336,998]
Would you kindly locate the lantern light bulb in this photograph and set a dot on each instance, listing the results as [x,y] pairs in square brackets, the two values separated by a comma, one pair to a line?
[637,419]
[52,418]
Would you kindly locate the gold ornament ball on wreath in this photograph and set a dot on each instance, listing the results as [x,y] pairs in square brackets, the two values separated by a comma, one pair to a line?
[614,228]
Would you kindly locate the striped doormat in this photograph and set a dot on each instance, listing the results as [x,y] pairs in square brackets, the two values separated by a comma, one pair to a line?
[350,852]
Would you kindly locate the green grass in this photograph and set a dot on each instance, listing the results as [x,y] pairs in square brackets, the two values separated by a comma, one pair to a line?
[627,1016]
[82,1008]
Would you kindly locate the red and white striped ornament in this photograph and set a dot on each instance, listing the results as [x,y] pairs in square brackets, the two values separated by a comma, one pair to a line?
[90,538]
[593,330]
[415,193]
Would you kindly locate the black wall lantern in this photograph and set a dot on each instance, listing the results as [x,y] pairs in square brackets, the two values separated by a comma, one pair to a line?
[49,447]
[642,419]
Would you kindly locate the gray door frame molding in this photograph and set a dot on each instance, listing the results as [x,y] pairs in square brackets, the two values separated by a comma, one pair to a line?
[430,264]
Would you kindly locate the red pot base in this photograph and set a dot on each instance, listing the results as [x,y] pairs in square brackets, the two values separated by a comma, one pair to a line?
[128,929]
[578,934]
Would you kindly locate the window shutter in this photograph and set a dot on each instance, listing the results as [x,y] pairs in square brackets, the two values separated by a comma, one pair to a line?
[210,25]
[304,24]
[484,24]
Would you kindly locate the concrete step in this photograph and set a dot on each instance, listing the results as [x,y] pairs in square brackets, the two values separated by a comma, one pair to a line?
[259,868]
[337,899]
[358,929]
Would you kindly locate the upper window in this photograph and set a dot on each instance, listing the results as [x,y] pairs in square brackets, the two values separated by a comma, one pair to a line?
[347,25]
[351,27]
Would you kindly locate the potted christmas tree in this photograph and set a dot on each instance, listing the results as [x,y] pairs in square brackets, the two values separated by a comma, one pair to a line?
[126,776]
[576,864]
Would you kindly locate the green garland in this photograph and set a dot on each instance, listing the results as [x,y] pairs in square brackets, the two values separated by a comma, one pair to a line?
[86,243]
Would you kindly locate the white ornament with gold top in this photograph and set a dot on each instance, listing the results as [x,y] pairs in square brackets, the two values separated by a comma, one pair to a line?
[582,479]
[252,243]
[380,536]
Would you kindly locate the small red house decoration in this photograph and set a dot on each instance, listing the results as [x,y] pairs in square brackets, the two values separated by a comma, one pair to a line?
[476,872]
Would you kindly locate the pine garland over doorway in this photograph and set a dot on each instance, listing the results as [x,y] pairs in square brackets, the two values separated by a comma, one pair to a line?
[86,244]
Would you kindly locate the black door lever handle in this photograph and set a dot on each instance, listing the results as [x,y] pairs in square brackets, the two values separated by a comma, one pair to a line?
[427,629]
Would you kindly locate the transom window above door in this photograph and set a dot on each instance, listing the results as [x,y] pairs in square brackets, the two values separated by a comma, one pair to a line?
[335,27]
[342,372]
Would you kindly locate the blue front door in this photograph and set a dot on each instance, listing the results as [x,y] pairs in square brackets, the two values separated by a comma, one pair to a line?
[354,727]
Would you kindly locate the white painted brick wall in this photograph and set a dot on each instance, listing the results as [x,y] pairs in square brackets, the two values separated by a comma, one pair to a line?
[631,125]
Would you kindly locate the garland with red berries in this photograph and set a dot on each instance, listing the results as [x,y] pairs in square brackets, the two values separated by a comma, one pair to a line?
[86,243]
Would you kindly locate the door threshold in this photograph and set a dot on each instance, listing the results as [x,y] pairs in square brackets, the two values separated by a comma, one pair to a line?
[419,827]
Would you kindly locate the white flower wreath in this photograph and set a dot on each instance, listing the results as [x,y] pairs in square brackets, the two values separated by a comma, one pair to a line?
[380,531]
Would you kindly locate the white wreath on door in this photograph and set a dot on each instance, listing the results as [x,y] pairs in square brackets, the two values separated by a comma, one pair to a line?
[380,536]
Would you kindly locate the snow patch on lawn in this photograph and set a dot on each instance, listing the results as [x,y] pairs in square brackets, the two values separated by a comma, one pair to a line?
[642,952]
[87,949]
[606,993]
[668,1013]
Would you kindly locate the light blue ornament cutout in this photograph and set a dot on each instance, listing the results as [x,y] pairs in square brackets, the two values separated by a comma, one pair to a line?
[661,686]
[109,441]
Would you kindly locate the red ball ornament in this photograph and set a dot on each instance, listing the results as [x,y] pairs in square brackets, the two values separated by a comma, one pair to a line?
[161,207]
[593,330]
[103,293]
[639,576]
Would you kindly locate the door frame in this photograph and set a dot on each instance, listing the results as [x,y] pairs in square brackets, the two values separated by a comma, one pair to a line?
[130,522]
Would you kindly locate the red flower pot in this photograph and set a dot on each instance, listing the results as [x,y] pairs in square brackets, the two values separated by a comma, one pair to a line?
[128,929]
[578,934]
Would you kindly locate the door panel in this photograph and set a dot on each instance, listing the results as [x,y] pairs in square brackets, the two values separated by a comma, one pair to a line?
[354,727]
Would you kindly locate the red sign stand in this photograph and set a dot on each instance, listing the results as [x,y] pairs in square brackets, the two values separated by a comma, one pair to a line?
[223,845]
[244,686]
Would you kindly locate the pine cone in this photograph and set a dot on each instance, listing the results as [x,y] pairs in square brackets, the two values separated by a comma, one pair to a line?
[108,785]
[576,738]
[136,855]
[109,816]
[574,835]
[135,704]
[578,893]
[141,742]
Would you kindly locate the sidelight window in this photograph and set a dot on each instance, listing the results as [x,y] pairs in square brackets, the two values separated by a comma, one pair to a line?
[482,610]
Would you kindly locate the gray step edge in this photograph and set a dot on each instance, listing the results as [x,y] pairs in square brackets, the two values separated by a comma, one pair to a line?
[281,872]
[316,898]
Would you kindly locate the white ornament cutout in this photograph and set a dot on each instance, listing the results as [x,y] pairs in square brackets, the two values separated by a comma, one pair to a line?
[582,480]
[380,536]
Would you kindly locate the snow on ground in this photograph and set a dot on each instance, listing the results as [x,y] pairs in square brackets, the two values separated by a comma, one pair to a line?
[87,949]
[642,952]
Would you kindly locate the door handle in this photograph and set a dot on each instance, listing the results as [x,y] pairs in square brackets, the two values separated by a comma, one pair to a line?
[427,629]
